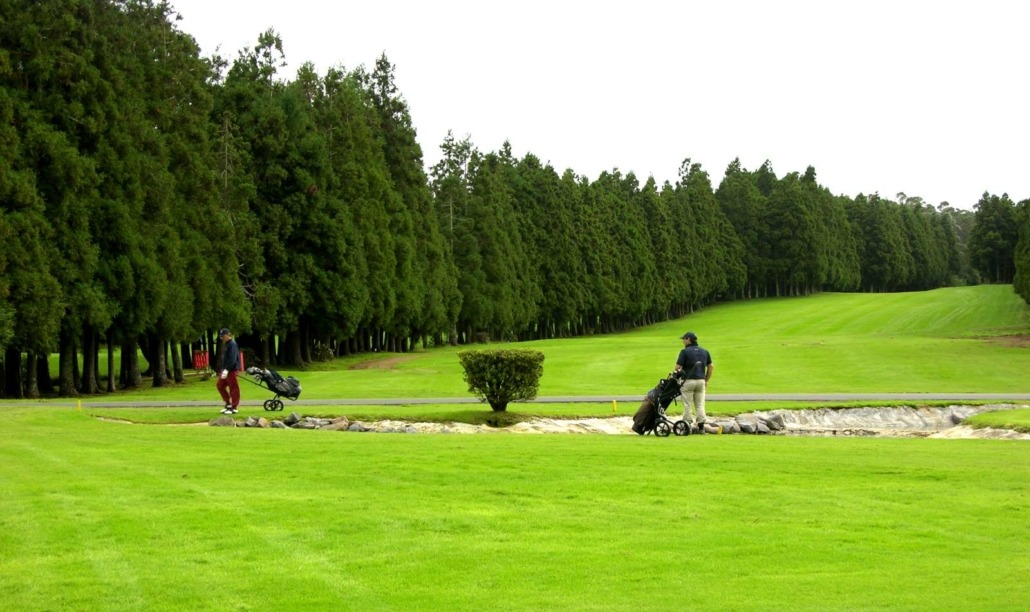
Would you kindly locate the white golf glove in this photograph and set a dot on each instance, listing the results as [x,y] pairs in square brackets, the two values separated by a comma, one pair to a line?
[225,373]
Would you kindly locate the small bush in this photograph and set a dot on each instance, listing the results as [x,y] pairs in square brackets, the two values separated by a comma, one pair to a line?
[502,376]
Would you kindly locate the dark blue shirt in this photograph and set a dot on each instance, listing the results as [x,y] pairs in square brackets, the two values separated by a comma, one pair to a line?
[231,356]
[694,360]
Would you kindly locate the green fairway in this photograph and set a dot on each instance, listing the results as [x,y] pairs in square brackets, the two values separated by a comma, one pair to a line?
[99,514]
[964,339]
[108,516]
[957,340]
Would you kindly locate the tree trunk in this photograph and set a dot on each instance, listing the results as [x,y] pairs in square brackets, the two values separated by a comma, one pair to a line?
[261,353]
[146,345]
[46,383]
[177,351]
[111,388]
[31,376]
[66,386]
[305,343]
[216,357]
[293,352]
[131,377]
[157,364]
[186,354]
[12,373]
[89,361]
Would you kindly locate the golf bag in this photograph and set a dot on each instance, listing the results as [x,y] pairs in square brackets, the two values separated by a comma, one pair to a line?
[652,409]
[288,387]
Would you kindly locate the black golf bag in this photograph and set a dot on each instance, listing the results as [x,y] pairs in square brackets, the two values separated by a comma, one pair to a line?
[652,409]
[288,387]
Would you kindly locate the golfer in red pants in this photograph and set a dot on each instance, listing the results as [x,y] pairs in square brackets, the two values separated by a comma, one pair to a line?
[228,385]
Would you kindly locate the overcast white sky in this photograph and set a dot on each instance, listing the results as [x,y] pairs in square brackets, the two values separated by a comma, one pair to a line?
[926,98]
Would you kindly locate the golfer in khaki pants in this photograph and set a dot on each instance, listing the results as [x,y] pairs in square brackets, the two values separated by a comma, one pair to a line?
[695,365]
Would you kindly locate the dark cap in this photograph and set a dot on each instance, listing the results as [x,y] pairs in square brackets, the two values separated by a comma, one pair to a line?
[690,335]
[223,332]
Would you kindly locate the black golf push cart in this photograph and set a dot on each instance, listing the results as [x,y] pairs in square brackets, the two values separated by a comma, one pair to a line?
[650,417]
[288,387]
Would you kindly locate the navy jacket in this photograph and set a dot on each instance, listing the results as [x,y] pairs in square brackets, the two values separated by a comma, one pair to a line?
[231,356]
[694,361]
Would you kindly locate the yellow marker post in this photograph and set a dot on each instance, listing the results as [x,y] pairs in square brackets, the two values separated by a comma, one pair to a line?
[614,405]
[79,402]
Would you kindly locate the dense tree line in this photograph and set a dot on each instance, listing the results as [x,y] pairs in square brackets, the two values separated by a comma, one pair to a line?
[151,195]
[1021,253]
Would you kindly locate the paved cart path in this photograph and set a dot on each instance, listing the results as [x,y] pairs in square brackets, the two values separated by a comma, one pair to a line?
[712,397]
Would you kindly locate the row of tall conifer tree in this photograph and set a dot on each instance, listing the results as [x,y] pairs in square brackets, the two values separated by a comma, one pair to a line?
[152,195]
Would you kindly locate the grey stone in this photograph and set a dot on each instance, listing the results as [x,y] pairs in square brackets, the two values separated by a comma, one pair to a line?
[318,422]
[774,421]
[748,423]
[222,421]
[279,425]
[293,419]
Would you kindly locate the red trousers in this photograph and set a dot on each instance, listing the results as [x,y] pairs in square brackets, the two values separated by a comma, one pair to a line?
[229,388]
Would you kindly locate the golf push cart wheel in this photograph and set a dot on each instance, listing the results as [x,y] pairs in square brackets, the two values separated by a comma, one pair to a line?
[662,429]
[273,405]
[681,428]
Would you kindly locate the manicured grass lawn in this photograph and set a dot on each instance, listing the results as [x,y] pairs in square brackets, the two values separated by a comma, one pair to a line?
[1016,420]
[960,340]
[108,516]
[102,515]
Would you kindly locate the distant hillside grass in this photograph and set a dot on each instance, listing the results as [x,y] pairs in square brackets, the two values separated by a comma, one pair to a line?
[965,339]
[962,339]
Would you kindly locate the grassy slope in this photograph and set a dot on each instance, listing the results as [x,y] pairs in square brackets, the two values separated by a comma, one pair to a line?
[949,340]
[100,515]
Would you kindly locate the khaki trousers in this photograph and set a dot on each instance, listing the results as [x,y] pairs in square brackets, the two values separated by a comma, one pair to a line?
[693,392]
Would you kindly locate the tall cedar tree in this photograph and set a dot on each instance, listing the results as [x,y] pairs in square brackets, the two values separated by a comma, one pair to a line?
[428,291]
[344,121]
[742,202]
[1021,257]
[992,242]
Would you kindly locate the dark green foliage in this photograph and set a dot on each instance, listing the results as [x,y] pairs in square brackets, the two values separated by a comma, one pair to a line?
[992,241]
[716,251]
[413,227]
[742,202]
[542,202]
[409,204]
[1021,257]
[150,196]
[499,377]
